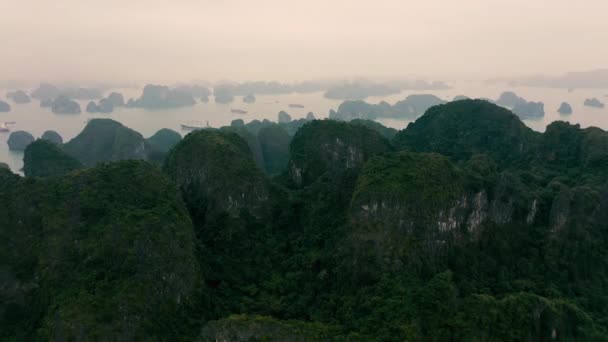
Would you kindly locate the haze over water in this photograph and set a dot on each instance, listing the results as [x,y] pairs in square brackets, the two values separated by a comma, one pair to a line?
[157,41]
[118,43]
[31,118]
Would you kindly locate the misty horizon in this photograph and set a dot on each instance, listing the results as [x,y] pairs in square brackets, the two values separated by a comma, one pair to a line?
[148,42]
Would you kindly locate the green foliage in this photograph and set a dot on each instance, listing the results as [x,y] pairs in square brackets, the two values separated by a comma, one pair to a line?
[106,254]
[252,141]
[264,328]
[465,128]
[43,158]
[164,139]
[578,153]
[462,129]
[216,173]
[332,147]
[387,132]
[232,206]
[105,140]
[521,316]
[477,229]
[428,180]
[159,145]
[274,142]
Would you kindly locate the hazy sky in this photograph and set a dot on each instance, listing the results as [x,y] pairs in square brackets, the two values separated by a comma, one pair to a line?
[172,40]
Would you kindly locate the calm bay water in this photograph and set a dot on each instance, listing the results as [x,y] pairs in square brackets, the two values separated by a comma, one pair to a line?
[31,118]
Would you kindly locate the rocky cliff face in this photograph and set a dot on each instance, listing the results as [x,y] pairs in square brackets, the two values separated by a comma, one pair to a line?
[410,204]
[411,192]
[216,173]
[478,229]
[332,148]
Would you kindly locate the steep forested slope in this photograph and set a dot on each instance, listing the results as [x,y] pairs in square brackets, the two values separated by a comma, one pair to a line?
[466,226]
[102,254]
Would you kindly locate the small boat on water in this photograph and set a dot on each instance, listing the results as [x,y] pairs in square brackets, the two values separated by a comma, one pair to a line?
[238,111]
[194,125]
[3,128]
[295,105]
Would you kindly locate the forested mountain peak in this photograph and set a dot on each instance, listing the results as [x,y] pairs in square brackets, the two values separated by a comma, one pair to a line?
[466,225]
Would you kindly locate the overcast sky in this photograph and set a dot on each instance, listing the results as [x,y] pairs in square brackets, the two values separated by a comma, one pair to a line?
[181,40]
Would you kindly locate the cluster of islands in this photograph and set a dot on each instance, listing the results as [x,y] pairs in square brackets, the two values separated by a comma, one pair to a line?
[415,105]
[64,100]
[465,226]
[164,97]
